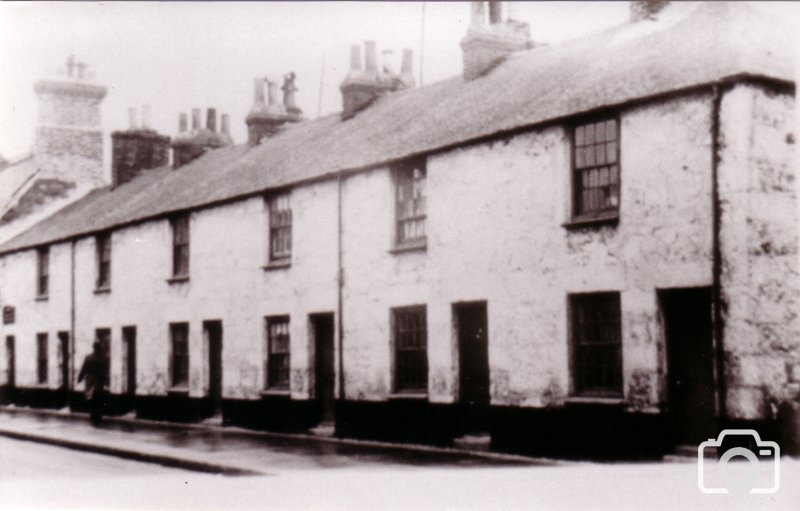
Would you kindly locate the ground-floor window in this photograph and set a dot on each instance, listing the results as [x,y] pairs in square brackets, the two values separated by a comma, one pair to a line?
[179,357]
[596,344]
[410,340]
[277,353]
[41,359]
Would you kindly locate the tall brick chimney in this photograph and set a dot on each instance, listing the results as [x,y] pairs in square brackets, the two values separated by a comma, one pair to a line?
[362,87]
[267,118]
[189,145]
[137,149]
[487,44]
[69,141]
[646,9]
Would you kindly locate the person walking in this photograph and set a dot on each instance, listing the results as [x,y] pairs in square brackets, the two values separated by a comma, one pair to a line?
[94,370]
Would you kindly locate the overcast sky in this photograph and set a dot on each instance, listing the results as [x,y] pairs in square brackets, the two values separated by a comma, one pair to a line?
[180,55]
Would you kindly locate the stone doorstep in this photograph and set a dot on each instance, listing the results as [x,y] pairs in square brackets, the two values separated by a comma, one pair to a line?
[474,443]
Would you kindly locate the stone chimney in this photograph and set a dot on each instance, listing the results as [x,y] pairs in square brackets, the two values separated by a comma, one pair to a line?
[487,44]
[189,145]
[362,87]
[267,118]
[137,149]
[69,141]
[646,9]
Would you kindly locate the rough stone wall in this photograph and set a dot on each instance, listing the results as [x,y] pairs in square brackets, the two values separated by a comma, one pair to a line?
[51,315]
[759,243]
[494,224]
[135,151]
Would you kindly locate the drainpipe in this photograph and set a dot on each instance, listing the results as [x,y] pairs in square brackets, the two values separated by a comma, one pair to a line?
[717,302]
[71,383]
[340,285]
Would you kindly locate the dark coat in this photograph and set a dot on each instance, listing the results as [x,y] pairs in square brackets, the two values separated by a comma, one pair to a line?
[94,370]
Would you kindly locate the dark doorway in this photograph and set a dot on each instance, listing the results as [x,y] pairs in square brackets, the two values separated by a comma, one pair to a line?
[322,326]
[63,361]
[690,364]
[212,331]
[473,362]
[129,365]
[11,374]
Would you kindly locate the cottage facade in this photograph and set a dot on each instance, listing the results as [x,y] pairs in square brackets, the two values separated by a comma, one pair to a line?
[594,266]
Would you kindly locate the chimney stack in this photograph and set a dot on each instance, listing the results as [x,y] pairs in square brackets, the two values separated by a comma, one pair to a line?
[189,145]
[361,88]
[265,120]
[646,9]
[69,140]
[487,44]
[137,149]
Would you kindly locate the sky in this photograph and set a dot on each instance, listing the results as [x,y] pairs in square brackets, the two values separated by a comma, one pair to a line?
[175,56]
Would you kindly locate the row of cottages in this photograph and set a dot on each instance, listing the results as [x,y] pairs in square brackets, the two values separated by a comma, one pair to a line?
[585,249]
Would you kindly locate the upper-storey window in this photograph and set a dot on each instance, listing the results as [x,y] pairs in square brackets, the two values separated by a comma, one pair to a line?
[410,183]
[42,271]
[595,162]
[180,246]
[596,344]
[103,242]
[280,227]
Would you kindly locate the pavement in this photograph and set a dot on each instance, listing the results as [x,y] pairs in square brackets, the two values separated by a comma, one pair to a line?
[215,449]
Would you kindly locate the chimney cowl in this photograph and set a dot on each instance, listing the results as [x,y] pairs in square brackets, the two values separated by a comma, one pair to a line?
[267,118]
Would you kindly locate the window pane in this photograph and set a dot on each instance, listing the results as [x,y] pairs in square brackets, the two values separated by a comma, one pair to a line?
[580,138]
[611,152]
[600,132]
[597,340]
[600,154]
[611,129]
[590,133]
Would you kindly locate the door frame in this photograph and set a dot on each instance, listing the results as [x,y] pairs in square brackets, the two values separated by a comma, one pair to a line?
[214,397]
[458,308]
[662,295]
[313,349]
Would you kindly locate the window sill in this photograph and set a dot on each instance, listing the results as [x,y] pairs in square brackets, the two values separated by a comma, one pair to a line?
[178,279]
[42,298]
[578,222]
[409,395]
[278,264]
[416,246]
[178,391]
[102,290]
[276,393]
[594,400]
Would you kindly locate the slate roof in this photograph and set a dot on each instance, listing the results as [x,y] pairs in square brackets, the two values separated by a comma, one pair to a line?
[688,46]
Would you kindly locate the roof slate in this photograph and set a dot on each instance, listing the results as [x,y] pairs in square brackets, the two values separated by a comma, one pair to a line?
[688,46]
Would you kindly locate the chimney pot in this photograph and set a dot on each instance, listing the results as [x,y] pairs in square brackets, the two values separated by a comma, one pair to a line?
[182,122]
[370,57]
[355,58]
[258,84]
[211,120]
[195,119]
[225,121]
[133,121]
[272,91]
[145,117]
[495,12]
[408,62]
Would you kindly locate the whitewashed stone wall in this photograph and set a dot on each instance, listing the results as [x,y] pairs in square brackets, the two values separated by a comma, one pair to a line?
[759,243]
[495,215]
